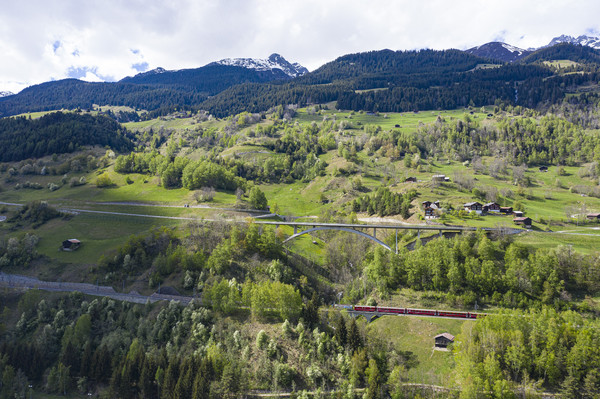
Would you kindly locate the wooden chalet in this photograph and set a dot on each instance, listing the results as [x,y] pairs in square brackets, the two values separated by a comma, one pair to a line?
[474,207]
[443,340]
[523,221]
[518,214]
[426,204]
[543,168]
[410,179]
[506,210]
[491,207]
[430,213]
[593,217]
[71,244]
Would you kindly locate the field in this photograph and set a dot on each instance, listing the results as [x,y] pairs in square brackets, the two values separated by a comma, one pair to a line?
[561,63]
[415,335]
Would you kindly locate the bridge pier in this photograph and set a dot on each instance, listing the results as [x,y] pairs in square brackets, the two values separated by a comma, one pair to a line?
[295,229]
[374,232]
[396,241]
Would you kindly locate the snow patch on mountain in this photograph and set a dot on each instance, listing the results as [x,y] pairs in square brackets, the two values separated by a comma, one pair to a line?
[6,93]
[513,49]
[275,61]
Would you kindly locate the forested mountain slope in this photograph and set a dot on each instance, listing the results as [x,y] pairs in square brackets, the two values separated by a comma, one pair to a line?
[57,133]
[386,81]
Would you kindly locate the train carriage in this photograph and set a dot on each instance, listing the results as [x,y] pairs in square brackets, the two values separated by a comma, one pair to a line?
[413,312]
[391,310]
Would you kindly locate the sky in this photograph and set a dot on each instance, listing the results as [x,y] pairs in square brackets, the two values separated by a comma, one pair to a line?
[43,40]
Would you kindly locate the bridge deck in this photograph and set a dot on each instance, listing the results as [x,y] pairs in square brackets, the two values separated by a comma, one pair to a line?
[378,226]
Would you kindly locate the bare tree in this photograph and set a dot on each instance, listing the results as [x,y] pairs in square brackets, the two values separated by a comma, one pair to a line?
[491,193]
[519,175]
[205,194]
[478,166]
[497,167]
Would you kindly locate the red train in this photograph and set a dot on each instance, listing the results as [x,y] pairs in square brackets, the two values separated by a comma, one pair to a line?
[415,312]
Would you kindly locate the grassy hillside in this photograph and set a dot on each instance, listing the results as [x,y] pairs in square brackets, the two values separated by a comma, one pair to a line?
[315,163]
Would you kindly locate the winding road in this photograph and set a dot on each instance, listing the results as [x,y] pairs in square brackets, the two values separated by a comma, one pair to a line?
[16,281]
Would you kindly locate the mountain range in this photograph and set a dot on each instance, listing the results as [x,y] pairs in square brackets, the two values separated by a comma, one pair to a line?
[216,76]
[274,62]
[504,52]
[385,80]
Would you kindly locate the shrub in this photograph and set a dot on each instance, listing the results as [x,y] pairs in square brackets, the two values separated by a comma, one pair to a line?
[104,180]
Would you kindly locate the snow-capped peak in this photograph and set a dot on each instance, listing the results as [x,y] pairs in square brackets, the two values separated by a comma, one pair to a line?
[275,61]
[583,40]
[6,93]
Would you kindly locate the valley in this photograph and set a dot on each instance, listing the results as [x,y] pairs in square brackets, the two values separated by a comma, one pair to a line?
[425,184]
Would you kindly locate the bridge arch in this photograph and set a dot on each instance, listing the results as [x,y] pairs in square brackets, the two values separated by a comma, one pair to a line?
[360,233]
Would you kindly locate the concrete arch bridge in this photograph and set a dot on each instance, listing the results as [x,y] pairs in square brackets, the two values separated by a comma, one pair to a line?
[302,228]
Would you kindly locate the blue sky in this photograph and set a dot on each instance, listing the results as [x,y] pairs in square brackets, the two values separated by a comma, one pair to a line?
[42,40]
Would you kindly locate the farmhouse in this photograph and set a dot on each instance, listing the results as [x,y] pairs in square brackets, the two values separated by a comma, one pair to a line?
[491,207]
[426,204]
[523,221]
[594,217]
[518,214]
[443,340]
[474,207]
[410,179]
[71,244]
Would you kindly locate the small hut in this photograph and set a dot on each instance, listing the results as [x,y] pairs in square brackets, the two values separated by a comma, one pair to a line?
[71,244]
[443,340]
[523,221]
[594,217]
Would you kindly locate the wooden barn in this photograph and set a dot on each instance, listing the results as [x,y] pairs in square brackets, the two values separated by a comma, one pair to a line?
[594,217]
[507,210]
[71,244]
[443,340]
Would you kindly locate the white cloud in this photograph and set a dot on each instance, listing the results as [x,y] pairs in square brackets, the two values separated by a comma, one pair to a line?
[43,40]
